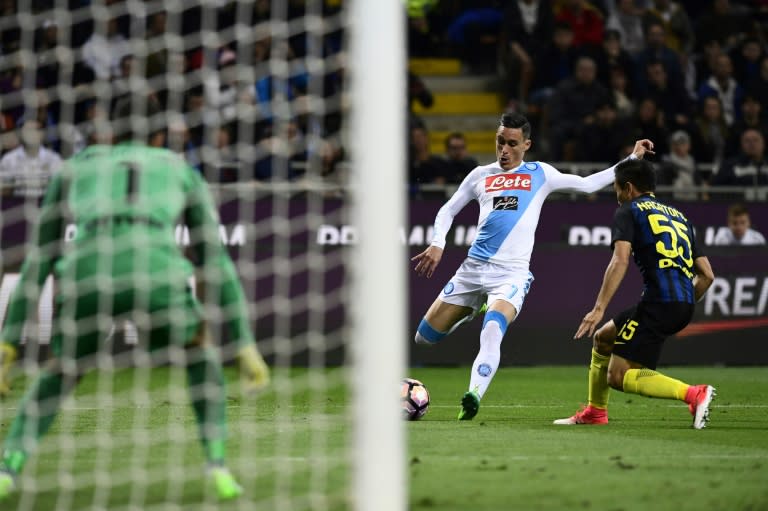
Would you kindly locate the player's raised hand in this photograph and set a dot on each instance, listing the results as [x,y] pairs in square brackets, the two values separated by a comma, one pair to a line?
[253,370]
[643,147]
[427,261]
[8,355]
[589,324]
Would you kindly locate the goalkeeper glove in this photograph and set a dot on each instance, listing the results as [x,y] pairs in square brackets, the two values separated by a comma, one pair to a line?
[253,369]
[7,358]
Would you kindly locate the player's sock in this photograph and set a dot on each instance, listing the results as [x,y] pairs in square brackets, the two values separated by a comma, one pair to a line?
[487,360]
[599,390]
[425,334]
[648,382]
[206,386]
[37,411]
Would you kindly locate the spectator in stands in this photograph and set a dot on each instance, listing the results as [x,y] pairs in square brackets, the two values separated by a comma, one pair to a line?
[610,56]
[620,94]
[627,20]
[180,142]
[678,168]
[749,168]
[553,64]
[8,138]
[677,25]
[11,80]
[723,23]
[739,230]
[758,87]
[751,118]
[525,33]
[221,88]
[656,50]
[601,139]
[670,97]
[458,161]
[29,167]
[422,42]
[574,103]
[417,93]
[649,121]
[424,167]
[585,20]
[284,154]
[157,60]
[104,50]
[723,86]
[47,41]
[746,60]
[710,133]
[474,35]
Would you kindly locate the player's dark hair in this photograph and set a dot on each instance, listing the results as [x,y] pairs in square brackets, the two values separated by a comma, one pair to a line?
[638,172]
[518,121]
[137,118]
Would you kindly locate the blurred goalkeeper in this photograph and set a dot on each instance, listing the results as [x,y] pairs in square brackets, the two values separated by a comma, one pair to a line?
[124,262]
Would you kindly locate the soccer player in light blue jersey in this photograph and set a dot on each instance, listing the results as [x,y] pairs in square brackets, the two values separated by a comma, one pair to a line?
[495,275]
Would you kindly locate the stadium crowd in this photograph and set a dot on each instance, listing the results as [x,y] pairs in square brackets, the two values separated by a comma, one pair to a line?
[253,94]
[231,111]
[691,75]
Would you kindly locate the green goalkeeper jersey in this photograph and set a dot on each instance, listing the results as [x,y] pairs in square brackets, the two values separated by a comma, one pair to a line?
[125,202]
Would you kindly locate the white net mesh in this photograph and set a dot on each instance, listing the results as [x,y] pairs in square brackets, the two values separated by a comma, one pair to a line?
[251,94]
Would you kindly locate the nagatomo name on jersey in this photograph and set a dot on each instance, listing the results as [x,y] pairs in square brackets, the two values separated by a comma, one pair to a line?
[664,247]
[510,206]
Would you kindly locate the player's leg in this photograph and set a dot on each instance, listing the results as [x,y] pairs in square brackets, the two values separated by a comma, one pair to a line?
[596,411]
[500,314]
[633,364]
[37,411]
[177,321]
[441,319]
[458,302]
[207,391]
[59,376]
[506,293]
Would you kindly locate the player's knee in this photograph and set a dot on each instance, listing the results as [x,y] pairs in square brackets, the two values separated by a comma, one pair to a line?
[496,317]
[602,343]
[425,334]
[616,378]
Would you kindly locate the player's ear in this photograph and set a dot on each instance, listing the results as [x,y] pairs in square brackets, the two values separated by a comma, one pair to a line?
[528,143]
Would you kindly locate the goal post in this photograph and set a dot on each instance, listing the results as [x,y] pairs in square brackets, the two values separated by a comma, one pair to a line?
[377,138]
[294,113]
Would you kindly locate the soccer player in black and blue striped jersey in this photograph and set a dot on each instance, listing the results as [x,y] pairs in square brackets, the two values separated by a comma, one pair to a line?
[675,274]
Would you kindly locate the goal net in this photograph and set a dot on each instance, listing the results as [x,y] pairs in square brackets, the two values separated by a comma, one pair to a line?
[293,113]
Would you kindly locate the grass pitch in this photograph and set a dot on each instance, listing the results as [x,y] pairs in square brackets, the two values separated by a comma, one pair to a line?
[289,446]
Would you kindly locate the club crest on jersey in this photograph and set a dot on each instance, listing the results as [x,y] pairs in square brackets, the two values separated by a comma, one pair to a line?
[505,202]
[501,182]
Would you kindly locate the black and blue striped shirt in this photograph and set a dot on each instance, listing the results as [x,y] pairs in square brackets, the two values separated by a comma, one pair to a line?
[664,247]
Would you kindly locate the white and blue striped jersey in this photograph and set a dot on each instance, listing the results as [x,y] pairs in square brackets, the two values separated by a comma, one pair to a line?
[510,205]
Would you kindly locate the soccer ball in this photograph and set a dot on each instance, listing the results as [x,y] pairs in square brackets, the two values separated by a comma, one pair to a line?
[415,398]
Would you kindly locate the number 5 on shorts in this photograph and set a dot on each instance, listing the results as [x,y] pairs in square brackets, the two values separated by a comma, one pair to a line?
[628,330]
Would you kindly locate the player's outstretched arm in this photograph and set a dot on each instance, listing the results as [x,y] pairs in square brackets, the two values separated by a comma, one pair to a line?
[614,274]
[222,285]
[598,180]
[44,250]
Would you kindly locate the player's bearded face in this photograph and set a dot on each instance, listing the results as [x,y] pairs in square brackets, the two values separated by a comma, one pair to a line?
[510,147]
